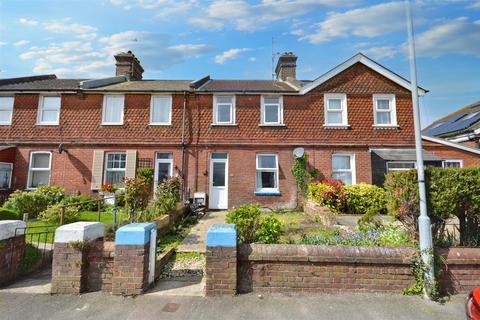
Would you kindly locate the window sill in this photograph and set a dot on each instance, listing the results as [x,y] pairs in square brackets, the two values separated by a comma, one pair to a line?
[378,126]
[5,124]
[111,124]
[159,124]
[271,125]
[47,124]
[224,124]
[267,193]
[336,126]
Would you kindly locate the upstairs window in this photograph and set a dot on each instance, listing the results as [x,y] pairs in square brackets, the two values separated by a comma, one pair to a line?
[39,169]
[343,168]
[115,167]
[335,110]
[5,175]
[385,110]
[113,110]
[224,110]
[161,110]
[49,110]
[272,110]
[267,173]
[6,110]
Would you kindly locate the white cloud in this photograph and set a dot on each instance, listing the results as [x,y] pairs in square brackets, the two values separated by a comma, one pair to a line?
[474,5]
[21,43]
[252,59]
[382,52]
[63,27]
[28,22]
[244,16]
[229,54]
[2,43]
[368,22]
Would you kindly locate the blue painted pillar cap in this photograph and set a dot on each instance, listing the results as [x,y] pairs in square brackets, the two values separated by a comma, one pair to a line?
[134,234]
[222,235]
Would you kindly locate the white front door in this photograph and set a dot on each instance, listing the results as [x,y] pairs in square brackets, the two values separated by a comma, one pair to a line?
[218,198]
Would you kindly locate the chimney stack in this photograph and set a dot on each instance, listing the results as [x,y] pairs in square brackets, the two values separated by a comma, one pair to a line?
[128,65]
[286,66]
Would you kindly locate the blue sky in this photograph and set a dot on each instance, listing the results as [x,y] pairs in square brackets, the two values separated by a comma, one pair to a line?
[232,39]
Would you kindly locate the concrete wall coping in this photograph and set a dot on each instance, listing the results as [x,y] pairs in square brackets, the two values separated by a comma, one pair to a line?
[222,235]
[9,228]
[314,253]
[134,234]
[79,231]
[460,255]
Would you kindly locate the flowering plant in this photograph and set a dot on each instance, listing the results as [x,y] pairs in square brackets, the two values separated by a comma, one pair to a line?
[109,187]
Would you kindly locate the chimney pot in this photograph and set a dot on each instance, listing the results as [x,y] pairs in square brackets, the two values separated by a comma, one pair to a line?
[286,66]
[128,65]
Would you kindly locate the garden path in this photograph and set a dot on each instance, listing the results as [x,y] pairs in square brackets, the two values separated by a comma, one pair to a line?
[195,241]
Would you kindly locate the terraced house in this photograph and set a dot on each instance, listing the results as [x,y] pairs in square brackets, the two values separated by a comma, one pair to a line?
[232,139]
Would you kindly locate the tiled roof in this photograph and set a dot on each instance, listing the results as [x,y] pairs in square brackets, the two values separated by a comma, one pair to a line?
[148,85]
[43,84]
[461,121]
[247,86]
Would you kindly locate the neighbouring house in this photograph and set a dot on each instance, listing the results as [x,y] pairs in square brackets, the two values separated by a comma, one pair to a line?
[232,139]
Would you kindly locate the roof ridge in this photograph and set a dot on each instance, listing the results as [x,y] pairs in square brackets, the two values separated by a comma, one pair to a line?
[7,81]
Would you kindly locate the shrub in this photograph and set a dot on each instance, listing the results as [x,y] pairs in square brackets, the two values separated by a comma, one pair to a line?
[364,198]
[167,195]
[327,193]
[147,174]
[136,196]
[34,202]
[253,227]
[53,213]
[450,192]
[84,201]
[394,235]
[6,214]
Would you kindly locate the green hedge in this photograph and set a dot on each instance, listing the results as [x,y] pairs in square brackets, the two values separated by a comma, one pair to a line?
[6,214]
[450,192]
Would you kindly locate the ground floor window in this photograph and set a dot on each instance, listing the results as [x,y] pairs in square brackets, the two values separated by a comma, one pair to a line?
[343,168]
[39,169]
[267,173]
[453,164]
[115,164]
[164,166]
[400,166]
[5,175]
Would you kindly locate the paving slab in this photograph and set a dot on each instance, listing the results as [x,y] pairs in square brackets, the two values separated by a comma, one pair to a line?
[36,283]
[195,241]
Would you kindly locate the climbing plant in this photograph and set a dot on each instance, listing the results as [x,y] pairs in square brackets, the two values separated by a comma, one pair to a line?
[303,173]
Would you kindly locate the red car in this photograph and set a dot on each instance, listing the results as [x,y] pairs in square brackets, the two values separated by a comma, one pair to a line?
[473,305]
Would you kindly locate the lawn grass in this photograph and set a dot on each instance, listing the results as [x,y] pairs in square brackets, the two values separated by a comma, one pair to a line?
[296,225]
[175,235]
[42,231]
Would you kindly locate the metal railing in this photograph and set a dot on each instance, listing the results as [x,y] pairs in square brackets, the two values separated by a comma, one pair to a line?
[100,201]
[453,234]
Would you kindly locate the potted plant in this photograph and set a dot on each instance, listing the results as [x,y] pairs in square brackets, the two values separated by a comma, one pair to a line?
[108,193]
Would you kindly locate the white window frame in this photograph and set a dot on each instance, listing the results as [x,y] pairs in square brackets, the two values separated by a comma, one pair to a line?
[232,110]
[344,109]
[393,109]
[157,161]
[353,168]
[11,174]
[41,109]
[451,161]
[275,170]
[104,123]
[7,108]
[280,111]
[169,122]
[106,169]
[30,169]
[400,169]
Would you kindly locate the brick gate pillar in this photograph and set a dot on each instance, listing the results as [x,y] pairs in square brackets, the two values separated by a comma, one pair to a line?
[70,250]
[221,260]
[12,245]
[132,268]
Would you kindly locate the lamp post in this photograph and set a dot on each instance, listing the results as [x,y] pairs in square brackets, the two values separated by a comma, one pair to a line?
[424,226]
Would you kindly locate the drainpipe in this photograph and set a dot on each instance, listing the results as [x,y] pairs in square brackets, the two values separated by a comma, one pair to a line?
[183,146]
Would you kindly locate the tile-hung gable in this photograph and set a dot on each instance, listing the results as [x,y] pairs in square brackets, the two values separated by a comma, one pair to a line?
[230,139]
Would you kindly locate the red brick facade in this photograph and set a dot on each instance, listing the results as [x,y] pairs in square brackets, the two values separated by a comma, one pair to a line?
[81,132]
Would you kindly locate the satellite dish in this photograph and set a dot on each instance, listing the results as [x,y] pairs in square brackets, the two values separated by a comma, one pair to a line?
[298,152]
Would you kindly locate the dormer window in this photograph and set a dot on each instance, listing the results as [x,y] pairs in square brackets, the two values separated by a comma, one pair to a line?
[224,110]
[336,110]
[272,110]
[49,110]
[384,110]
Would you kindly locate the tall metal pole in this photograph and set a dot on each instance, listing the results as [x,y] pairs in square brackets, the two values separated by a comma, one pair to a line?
[424,226]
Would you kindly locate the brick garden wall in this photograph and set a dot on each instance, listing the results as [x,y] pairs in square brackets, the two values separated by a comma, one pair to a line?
[100,259]
[461,270]
[304,268]
[11,255]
